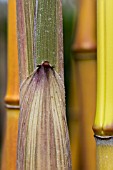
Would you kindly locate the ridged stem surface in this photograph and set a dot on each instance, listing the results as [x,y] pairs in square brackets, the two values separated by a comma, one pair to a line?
[43,140]
[103,124]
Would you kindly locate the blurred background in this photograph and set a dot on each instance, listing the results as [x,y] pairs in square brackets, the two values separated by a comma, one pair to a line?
[79,30]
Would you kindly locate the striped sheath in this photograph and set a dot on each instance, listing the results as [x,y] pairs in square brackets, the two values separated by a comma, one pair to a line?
[43,140]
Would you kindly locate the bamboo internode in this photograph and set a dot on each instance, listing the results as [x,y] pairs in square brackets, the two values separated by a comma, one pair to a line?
[12,95]
[85,39]
[10,141]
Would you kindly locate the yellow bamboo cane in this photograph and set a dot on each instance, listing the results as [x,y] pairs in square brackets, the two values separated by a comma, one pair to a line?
[104,120]
[99,117]
[103,124]
[12,95]
[85,63]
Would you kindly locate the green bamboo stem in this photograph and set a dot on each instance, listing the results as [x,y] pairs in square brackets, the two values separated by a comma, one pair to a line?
[49,43]
[40,35]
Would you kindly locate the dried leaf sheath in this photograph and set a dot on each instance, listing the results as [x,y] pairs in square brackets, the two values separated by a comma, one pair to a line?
[42,118]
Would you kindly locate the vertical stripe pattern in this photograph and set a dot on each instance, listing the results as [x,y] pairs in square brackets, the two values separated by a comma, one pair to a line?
[43,141]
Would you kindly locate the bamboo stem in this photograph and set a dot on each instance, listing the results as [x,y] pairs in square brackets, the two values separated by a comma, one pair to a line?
[103,119]
[108,118]
[84,49]
[73,120]
[103,124]
[104,153]
[10,140]
[85,39]
[40,35]
[69,20]
[43,140]
[100,107]
[12,95]
[25,31]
